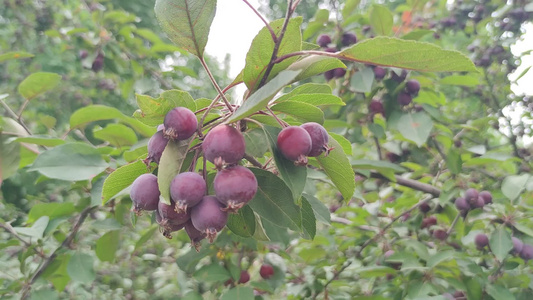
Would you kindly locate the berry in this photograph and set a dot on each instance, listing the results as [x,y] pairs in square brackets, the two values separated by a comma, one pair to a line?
[404,98]
[486,196]
[478,203]
[518,245]
[319,138]
[170,217]
[412,87]
[145,193]
[180,123]
[266,271]
[223,145]
[234,187]
[379,73]
[348,38]
[329,74]
[208,217]
[462,204]
[98,62]
[459,295]
[339,72]
[194,234]
[481,240]
[187,189]
[83,54]
[471,196]
[428,222]
[376,107]
[323,40]
[424,207]
[156,145]
[440,234]
[399,78]
[294,143]
[527,252]
[245,277]
[331,49]
[457,143]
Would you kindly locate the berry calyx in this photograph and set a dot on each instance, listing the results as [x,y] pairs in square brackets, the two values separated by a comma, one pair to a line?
[208,217]
[294,143]
[266,271]
[156,146]
[145,193]
[223,144]
[234,187]
[319,139]
[187,189]
[180,123]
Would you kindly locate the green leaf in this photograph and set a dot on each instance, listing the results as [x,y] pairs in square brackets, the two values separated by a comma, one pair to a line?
[375,271]
[80,268]
[349,7]
[261,97]
[314,65]
[14,55]
[72,162]
[293,176]
[461,80]
[362,81]
[36,230]
[344,142]
[301,111]
[308,89]
[273,201]
[308,220]
[413,55]
[243,222]
[170,165]
[38,83]
[316,99]
[338,168]
[256,145]
[500,243]
[121,178]
[454,161]
[212,272]
[9,157]
[473,289]
[514,185]
[188,261]
[186,22]
[440,257]
[260,53]
[117,135]
[41,140]
[378,165]
[239,293]
[52,210]
[499,292]
[415,127]
[95,113]
[275,233]
[381,19]
[320,209]
[152,111]
[107,245]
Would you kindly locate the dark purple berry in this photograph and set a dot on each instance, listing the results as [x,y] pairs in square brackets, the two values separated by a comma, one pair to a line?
[294,143]
[462,204]
[156,145]
[319,138]
[379,73]
[180,123]
[478,203]
[424,207]
[399,78]
[98,62]
[412,87]
[224,144]
[195,235]
[245,277]
[145,193]
[404,98]
[187,189]
[329,74]
[481,240]
[339,72]
[331,49]
[457,143]
[323,40]
[348,38]
[366,29]
[471,196]
[376,107]
[440,234]
[234,187]
[208,217]
[83,54]
[266,271]
[518,245]
[527,252]
[428,222]
[166,227]
[459,295]
[169,216]
[486,196]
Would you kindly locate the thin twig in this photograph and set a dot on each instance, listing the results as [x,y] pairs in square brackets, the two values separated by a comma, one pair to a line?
[11,230]
[252,160]
[267,25]
[306,52]
[378,146]
[453,224]
[215,84]
[416,185]
[14,116]
[282,123]
[208,109]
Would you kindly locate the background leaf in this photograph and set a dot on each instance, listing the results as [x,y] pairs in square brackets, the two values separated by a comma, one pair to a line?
[38,83]
[338,168]
[80,268]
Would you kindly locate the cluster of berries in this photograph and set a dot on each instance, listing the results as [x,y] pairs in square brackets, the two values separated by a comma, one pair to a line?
[405,97]
[472,199]
[324,41]
[296,143]
[525,251]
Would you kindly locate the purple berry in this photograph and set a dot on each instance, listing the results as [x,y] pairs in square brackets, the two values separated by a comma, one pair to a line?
[245,277]
[428,222]
[98,62]
[379,73]
[208,217]
[180,123]
[440,234]
[169,216]
[166,227]
[399,78]
[294,143]
[518,245]
[424,207]
[462,204]
[224,144]
[339,72]
[471,196]
[331,49]
[412,87]
[234,187]
[194,234]
[329,74]
[319,138]
[187,189]
[145,193]
[527,252]
[478,203]
[266,271]
[404,98]
[83,54]
[156,145]
[376,107]
[323,40]
[348,38]
[486,196]
[481,240]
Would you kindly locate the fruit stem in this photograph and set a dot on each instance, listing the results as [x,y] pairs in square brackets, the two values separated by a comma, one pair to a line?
[267,25]
[253,161]
[282,123]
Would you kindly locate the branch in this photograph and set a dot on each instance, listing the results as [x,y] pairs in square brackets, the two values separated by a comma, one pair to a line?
[66,243]
[14,116]
[272,33]
[11,230]
[416,185]
[252,160]
[215,84]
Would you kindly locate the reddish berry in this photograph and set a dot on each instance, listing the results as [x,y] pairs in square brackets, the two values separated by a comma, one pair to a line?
[412,87]
[294,143]
[319,138]
[194,234]
[440,234]
[156,145]
[428,222]
[234,187]
[180,123]
[223,145]
[98,62]
[266,271]
[208,217]
[145,193]
[348,38]
[424,207]
[481,240]
[187,189]
[486,196]
[169,215]
[245,277]
[518,245]
[404,98]
[323,40]
[83,54]
[167,227]
[376,107]
[379,73]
